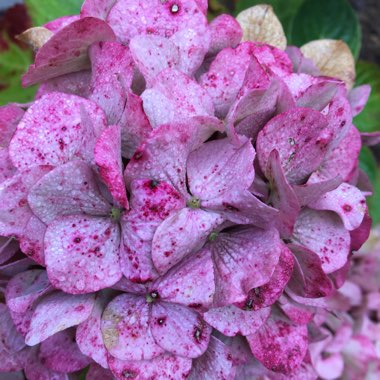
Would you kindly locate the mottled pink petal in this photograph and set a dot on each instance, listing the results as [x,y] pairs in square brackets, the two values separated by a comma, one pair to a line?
[7,170]
[82,253]
[166,101]
[300,137]
[126,329]
[23,289]
[180,234]
[243,259]
[297,313]
[215,363]
[347,201]
[10,362]
[96,372]
[52,131]
[360,235]
[9,118]
[179,330]
[96,8]
[66,51]
[89,336]
[190,283]
[155,17]
[358,98]
[61,22]
[230,320]
[308,279]
[112,72]
[225,32]
[61,353]
[68,189]
[107,155]
[299,83]
[57,312]
[162,367]
[323,233]
[280,346]
[151,203]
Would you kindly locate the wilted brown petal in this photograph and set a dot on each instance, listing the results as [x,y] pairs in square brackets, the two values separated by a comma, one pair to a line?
[35,37]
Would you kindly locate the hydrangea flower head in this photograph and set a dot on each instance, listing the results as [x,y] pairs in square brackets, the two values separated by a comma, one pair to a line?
[181,199]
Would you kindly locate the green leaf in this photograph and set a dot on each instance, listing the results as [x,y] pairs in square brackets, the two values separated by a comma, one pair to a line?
[83,374]
[43,11]
[369,119]
[367,163]
[284,9]
[319,19]
[374,201]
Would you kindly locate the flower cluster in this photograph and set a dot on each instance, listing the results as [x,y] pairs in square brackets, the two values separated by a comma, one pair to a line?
[176,202]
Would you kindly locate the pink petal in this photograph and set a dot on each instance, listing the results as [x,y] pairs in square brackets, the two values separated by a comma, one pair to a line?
[280,346]
[297,313]
[300,137]
[155,17]
[360,235]
[162,367]
[61,22]
[358,98]
[52,131]
[225,33]
[96,8]
[11,340]
[179,330]
[66,51]
[215,363]
[126,329]
[230,320]
[190,283]
[15,266]
[151,203]
[166,101]
[61,353]
[181,234]
[9,118]
[96,372]
[23,289]
[323,233]
[82,253]
[347,201]
[243,259]
[7,170]
[68,189]
[217,167]
[8,248]
[299,83]
[112,72]
[300,63]
[108,158]
[370,139]
[57,312]
[89,336]
[11,362]
[309,280]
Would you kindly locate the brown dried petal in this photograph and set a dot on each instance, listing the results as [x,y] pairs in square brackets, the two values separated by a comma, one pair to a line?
[35,37]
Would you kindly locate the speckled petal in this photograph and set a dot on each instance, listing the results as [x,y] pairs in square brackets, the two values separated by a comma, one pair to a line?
[230,320]
[82,253]
[323,233]
[108,158]
[57,312]
[7,170]
[52,131]
[243,259]
[68,189]
[358,98]
[96,372]
[179,330]
[189,283]
[23,289]
[61,353]
[66,51]
[180,234]
[280,346]
[96,8]
[126,329]
[166,366]
[301,139]
[9,118]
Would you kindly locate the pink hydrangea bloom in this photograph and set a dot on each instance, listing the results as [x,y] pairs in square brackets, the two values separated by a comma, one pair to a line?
[176,203]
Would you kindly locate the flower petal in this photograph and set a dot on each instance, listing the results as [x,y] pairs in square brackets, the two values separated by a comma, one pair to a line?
[96,372]
[82,253]
[11,340]
[358,98]
[9,118]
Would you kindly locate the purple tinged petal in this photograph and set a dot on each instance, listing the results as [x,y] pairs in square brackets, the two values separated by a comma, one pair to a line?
[179,330]
[301,64]
[68,189]
[96,372]
[297,313]
[370,139]
[10,339]
[66,51]
[9,118]
[82,253]
[358,98]
[57,312]
[7,170]
[360,235]
[323,233]
[96,8]
[10,362]
[59,23]
[8,248]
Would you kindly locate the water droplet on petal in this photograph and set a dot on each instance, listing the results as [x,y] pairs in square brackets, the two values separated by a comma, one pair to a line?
[174,8]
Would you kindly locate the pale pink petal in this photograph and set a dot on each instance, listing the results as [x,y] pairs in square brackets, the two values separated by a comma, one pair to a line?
[358,98]
[96,8]
[323,233]
[66,51]
[299,83]
[370,139]
[59,23]
[180,234]
[179,330]
[68,189]
[108,158]
[82,253]
[52,131]
[7,170]
[230,320]
[57,312]
[126,329]
[301,64]
[9,118]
